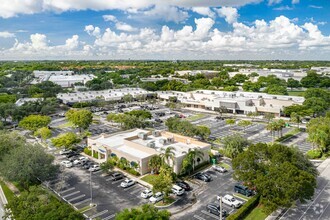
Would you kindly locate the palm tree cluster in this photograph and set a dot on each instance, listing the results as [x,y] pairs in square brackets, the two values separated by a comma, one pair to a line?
[276,126]
[189,162]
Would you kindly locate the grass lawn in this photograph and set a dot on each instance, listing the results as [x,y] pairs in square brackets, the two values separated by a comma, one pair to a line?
[227,166]
[8,193]
[256,214]
[195,117]
[296,93]
[166,201]
[65,125]
[150,178]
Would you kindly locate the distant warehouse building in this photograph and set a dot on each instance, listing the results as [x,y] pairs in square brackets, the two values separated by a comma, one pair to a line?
[233,102]
[104,95]
[138,146]
[64,79]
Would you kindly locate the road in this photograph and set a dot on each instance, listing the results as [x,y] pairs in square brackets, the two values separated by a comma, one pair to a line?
[318,208]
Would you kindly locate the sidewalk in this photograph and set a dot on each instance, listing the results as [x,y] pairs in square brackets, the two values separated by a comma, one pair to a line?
[3,202]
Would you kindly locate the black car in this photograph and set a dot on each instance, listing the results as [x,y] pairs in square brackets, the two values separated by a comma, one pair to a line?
[203,176]
[71,154]
[239,188]
[183,185]
[158,120]
[87,165]
[215,209]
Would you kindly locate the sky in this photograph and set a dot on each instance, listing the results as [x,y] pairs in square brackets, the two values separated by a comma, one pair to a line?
[165,29]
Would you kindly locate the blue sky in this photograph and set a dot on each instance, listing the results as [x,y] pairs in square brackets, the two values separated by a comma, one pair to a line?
[167,29]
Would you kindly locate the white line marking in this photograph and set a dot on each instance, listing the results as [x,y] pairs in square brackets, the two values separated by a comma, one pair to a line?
[81,202]
[198,217]
[67,190]
[71,194]
[209,214]
[98,214]
[323,211]
[109,217]
[75,198]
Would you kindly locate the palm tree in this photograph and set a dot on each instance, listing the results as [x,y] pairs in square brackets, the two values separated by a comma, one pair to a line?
[167,155]
[272,127]
[280,125]
[155,163]
[319,138]
[193,154]
[296,118]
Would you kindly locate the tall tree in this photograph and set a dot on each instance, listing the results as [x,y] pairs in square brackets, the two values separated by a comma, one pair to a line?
[281,175]
[168,155]
[155,163]
[189,161]
[34,122]
[233,145]
[296,118]
[146,212]
[66,140]
[44,133]
[318,130]
[80,118]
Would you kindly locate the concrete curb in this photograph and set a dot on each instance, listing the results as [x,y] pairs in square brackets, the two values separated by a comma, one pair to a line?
[3,197]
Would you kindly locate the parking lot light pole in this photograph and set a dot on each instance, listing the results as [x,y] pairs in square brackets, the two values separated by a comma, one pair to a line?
[220,200]
[91,188]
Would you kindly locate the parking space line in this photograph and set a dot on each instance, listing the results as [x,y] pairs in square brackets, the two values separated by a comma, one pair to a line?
[198,217]
[135,191]
[96,172]
[98,214]
[209,214]
[81,202]
[132,187]
[67,190]
[75,198]
[109,217]
[71,194]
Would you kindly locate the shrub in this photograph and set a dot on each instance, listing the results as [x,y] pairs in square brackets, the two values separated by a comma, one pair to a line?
[245,209]
[132,171]
[314,154]
[88,151]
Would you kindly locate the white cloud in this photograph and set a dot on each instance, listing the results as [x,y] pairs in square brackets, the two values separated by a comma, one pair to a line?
[168,13]
[6,34]
[125,27]
[110,18]
[230,14]
[274,2]
[93,31]
[283,8]
[206,11]
[11,8]
[280,38]
[295,2]
[315,6]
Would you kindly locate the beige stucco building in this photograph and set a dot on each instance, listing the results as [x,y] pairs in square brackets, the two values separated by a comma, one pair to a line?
[138,146]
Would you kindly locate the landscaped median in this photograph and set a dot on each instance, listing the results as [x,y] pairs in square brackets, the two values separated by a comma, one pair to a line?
[246,209]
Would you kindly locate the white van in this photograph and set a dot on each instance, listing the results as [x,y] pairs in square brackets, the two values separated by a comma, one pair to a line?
[177,190]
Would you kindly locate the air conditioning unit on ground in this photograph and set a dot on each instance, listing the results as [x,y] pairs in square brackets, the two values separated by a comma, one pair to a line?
[170,140]
[151,144]
[162,141]
[155,133]
[143,135]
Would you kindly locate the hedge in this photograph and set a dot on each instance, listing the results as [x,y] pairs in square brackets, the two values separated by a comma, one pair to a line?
[314,154]
[88,151]
[245,209]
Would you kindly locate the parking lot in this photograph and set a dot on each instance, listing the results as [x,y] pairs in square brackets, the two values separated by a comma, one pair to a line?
[222,184]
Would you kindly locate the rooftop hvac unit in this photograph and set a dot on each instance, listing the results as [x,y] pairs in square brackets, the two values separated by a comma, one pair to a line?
[143,135]
[162,141]
[151,144]
[155,133]
[170,140]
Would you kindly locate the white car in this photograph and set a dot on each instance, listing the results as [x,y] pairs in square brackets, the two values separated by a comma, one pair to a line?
[156,198]
[66,163]
[127,183]
[219,168]
[147,193]
[231,201]
[79,160]
[94,168]
[65,151]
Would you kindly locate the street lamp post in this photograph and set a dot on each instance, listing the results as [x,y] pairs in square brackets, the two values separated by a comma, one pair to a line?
[220,201]
[91,188]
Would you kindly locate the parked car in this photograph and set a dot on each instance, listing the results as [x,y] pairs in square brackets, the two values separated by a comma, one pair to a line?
[183,185]
[231,201]
[177,190]
[219,168]
[116,176]
[203,176]
[65,151]
[215,209]
[66,163]
[127,183]
[80,161]
[156,198]
[94,168]
[71,154]
[87,165]
[158,120]
[238,188]
[147,193]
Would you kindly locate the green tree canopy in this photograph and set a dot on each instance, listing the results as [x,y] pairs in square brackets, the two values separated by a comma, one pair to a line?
[44,133]
[36,204]
[281,175]
[34,122]
[145,212]
[80,118]
[27,164]
[234,144]
[66,140]
[318,130]
[144,114]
